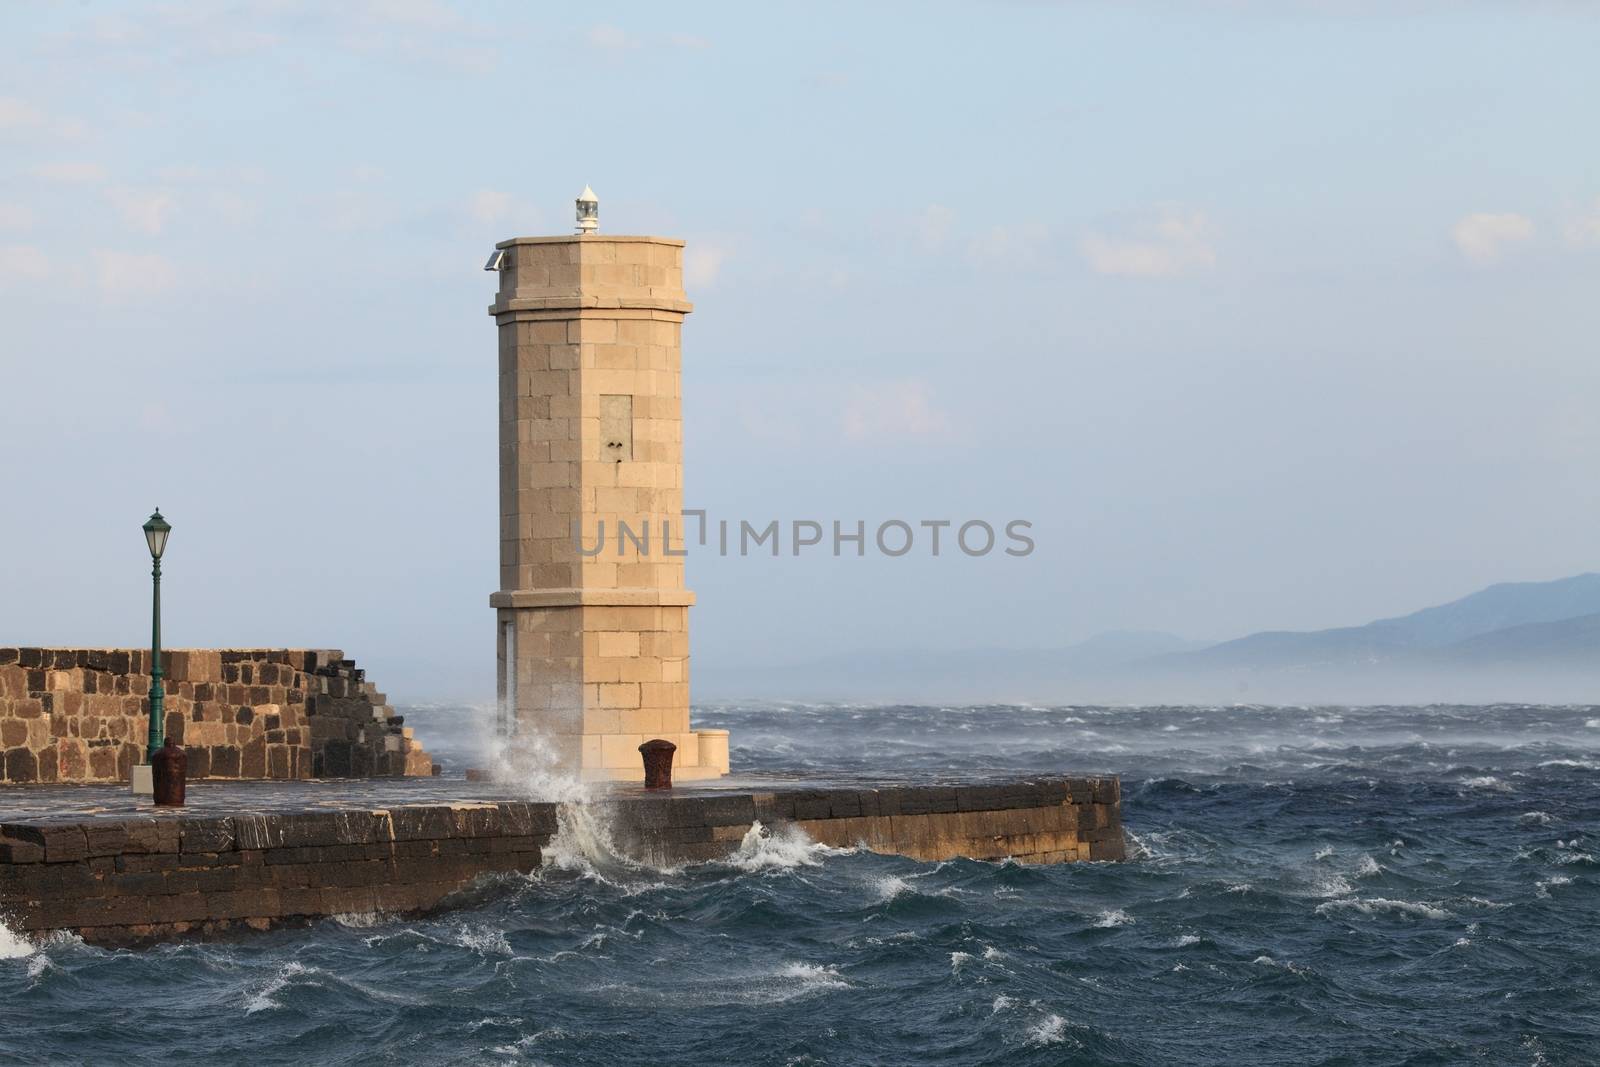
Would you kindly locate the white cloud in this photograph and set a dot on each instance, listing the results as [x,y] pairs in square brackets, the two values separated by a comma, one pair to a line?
[17,114]
[143,212]
[15,216]
[188,172]
[702,263]
[1585,229]
[1481,236]
[71,173]
[507,212]
[1178,241]
[687,40]
[933,226]
[185,32]
[1014,245]
[903,408]
[23,263]
[131,275]
[612,39]
[422,31]
[490,205]
[233,209]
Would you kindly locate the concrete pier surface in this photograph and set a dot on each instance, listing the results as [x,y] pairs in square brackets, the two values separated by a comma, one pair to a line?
[97,861]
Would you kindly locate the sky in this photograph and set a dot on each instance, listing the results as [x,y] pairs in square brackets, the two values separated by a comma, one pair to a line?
[1263,315]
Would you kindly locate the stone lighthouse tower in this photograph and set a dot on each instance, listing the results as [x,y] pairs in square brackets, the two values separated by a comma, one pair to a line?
[593,616]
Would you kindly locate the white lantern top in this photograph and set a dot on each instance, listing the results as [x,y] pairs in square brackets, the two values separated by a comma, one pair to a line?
[588,211]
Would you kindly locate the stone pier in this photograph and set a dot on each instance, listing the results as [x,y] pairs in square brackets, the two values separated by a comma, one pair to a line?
[254,855]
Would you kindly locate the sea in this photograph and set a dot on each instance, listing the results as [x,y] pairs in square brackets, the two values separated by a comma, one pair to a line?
[1307,885]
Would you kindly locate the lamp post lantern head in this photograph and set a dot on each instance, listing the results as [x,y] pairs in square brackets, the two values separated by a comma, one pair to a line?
[588,211]
[155,534]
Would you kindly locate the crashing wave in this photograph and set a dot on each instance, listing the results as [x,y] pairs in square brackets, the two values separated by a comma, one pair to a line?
[765,849]
[1383,906]
[1112,918]
[262,999]
[1051,1030]
[13,945]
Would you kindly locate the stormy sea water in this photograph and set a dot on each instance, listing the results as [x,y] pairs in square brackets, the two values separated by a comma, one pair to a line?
[1391,885]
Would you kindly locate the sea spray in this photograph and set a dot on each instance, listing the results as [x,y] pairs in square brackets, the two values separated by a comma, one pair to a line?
[584,840]
[584,843]
[13,945]
[763,848]
[530,763]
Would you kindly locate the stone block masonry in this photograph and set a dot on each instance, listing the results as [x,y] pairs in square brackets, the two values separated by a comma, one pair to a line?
[131,876]
[82,715]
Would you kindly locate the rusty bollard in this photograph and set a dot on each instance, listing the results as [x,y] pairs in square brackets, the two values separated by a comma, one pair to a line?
[169,767]
[657,763]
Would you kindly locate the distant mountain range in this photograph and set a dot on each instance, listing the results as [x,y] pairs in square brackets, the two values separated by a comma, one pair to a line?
[1516,641]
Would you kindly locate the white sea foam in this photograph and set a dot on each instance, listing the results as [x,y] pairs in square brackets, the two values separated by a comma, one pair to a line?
[1366,867]
[764,849]
[1332,886]
[1536,818]
[261,999]
[1323,853]
[959,960]
[484,939]
[789,981]
[1110,919]
[1282,965]
[1383,906]
[1051,1030]
[810,977]
[1186,940]
[12,945]
[358,920]
[1542,888]
[891,887]
[1002,1003]
[1139,848]
[992,953]
[1486,782]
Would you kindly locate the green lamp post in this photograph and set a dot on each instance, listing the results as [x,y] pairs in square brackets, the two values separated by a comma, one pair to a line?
[155,535]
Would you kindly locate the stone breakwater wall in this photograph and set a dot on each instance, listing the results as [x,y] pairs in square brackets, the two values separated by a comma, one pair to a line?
[132,878]
[82,715]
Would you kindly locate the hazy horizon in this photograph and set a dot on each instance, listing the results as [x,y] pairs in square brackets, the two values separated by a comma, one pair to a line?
[1264,316]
